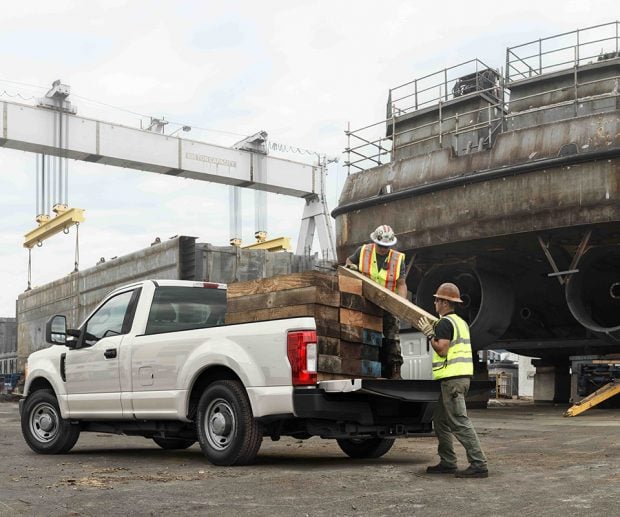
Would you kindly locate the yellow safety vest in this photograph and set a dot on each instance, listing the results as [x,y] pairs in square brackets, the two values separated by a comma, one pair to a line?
[458,361]
[388,276]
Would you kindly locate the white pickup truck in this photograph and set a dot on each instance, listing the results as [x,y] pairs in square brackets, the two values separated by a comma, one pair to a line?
[155,359]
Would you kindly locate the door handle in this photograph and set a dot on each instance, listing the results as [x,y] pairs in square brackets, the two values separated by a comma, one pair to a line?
[110,353]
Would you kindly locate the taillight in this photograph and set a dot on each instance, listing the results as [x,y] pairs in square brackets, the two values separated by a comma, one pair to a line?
[303,356]
[210,285]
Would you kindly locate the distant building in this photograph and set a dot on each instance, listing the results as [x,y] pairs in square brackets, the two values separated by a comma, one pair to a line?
[8,346]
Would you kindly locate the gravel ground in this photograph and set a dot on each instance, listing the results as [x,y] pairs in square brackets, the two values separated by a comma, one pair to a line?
[541,464]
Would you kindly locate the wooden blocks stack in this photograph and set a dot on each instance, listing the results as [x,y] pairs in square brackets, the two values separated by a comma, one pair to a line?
[356,351]
[349,328]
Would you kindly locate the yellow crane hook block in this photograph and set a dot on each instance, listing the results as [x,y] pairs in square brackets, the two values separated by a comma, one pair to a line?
[63,220]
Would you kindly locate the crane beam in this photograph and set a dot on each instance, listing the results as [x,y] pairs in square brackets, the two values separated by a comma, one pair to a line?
[30,128]
[47,228]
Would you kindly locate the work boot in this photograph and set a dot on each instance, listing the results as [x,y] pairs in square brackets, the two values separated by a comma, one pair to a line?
[394,372]
[472,472]
[440,469]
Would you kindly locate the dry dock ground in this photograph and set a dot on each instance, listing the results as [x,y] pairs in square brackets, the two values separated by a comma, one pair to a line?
[541,465]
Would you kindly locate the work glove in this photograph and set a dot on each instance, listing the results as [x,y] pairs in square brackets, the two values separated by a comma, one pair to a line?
[352,267]
[426,327]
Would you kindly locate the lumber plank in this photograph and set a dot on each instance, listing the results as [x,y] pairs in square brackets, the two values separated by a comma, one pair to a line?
[329,364]
[359,319]
[319,312]
[328,345]
[389,301]
[350,285]
[328,281]
[300,296]
[349,350]
[370,353]
[359,303]
[328,328]
[361,335]
[361,367]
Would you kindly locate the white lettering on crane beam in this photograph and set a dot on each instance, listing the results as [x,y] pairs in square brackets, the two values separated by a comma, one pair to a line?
[210,159]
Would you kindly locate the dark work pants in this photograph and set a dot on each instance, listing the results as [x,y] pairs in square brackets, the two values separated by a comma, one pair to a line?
[450,418]
[391,353]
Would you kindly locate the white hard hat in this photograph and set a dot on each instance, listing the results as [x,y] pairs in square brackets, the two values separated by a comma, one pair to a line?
[384,236]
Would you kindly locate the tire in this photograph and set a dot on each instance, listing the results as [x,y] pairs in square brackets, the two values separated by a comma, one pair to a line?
[227,431]
[171,444]
[44,430]
[365,447]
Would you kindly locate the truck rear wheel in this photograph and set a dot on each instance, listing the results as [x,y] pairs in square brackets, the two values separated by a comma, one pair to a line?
[44,430]
[171,444]
[365,447]
[227,431]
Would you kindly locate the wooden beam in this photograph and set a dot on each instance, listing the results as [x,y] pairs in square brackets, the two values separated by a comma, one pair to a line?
[387,300]
[359,303]
[300,296]
[350,285]
[359,319]
[319,312]
[283,282]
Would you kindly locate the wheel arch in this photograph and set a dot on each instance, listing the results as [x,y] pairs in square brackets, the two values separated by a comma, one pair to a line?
[37,381]
[203,379]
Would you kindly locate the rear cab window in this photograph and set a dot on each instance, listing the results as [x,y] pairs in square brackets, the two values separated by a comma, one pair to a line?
[185,308]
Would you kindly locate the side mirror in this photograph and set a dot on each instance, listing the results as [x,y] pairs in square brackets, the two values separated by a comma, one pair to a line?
[56,330]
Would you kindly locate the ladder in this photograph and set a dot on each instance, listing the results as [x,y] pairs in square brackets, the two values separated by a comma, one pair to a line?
[600,395]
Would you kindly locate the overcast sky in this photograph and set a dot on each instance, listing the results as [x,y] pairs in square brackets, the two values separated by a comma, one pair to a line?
[299,70]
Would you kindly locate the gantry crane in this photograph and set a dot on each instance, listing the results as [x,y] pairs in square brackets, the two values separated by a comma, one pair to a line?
[54,131]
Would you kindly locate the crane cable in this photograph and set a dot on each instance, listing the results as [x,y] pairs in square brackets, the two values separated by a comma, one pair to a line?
[29,269]
[77,248]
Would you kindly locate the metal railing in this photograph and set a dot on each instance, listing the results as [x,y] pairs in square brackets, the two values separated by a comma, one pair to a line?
[369,147]
[374,144]
[494,115]
[444,85]
[563,51]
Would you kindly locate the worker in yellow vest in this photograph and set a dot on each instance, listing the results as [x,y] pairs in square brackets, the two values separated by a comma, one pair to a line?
[386,266]
[453,366]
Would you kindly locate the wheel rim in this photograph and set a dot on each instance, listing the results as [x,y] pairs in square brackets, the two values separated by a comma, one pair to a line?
[44,422]
[220,424]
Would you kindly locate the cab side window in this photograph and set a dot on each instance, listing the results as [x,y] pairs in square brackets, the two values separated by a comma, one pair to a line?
[109,319]
[186,308]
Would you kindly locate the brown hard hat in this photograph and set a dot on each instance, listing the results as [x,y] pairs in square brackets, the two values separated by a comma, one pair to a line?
[448,292]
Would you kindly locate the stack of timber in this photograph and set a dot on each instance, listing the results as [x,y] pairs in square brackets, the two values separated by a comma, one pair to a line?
[347,307]
[349,327]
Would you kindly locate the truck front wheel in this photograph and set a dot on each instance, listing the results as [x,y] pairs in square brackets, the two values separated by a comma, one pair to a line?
[365,447]
[44,430]
[227,431]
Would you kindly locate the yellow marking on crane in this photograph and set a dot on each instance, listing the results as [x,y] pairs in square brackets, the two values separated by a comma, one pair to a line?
[600,395]
[65,218]
[278,244]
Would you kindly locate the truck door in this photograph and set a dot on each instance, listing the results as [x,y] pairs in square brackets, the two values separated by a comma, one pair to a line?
[92,371]
[158,355]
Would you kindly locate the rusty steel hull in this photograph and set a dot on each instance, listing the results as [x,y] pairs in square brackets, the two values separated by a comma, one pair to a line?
[486,214]
[581,192]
